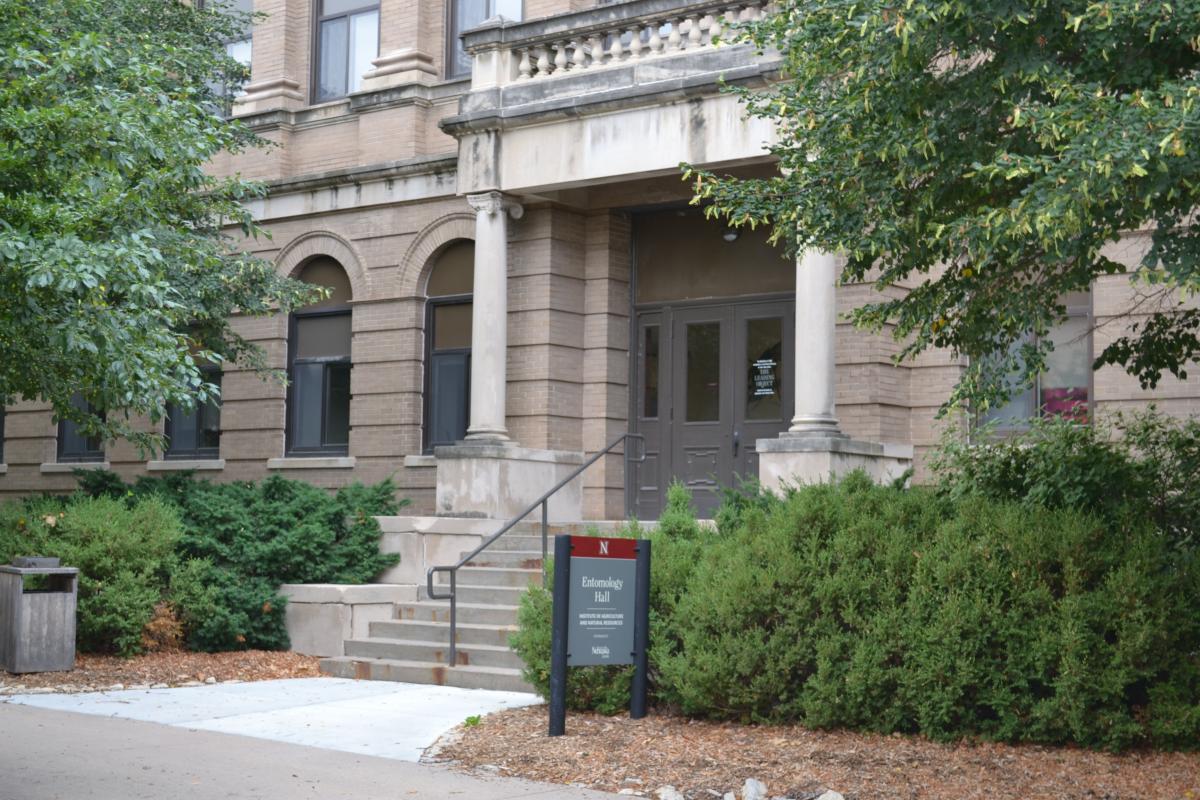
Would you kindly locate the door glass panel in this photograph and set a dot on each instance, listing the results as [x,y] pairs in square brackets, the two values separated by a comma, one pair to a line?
[703,401]
[650,372]
[764,370]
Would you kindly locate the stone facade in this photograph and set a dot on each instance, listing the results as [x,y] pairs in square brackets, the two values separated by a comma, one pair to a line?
[581,129]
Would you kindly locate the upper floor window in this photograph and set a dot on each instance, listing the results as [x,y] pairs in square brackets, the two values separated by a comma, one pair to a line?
[347,42]
[448,345]
[195,432]
[73,445]
[238,48]
[468,14]
[1064,389]
[318,418]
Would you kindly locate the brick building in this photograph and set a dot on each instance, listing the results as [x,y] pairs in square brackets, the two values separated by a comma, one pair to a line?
[517,278]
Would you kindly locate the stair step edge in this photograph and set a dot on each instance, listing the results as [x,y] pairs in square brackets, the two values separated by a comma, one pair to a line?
[494,648]
[425,665]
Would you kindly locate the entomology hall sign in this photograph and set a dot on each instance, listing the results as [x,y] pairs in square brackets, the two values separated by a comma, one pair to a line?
[601,614]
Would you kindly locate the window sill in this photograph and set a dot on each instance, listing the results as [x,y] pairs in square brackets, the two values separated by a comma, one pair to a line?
[420,460]
[181,464]
[68,467]
[3,469]
[314,462]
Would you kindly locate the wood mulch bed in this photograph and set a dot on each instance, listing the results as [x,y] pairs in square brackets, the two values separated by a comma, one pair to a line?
[706,759]
[173,668]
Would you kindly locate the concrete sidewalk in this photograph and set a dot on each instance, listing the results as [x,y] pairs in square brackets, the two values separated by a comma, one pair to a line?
[374,718]
[56,755]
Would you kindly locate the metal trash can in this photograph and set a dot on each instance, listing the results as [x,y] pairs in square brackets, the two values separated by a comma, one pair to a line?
[37,615]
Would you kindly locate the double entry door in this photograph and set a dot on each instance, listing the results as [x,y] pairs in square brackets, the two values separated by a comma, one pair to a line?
[709,381]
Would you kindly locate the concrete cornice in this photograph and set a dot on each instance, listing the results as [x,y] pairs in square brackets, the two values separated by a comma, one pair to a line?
[363,102]
[421,165]
[488,110]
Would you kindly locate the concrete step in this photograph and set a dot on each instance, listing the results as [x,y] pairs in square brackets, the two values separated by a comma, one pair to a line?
[514,559]
[486,595]
[479,655]
[429,631]
[493,576]
[475,613]
[467,677]
[528,536]
[515,541]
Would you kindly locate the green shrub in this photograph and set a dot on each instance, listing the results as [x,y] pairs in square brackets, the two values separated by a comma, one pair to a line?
[242,540]
[223,610]
[1144,465]
[915,610]
[216,552]
[124,555]
[606,689]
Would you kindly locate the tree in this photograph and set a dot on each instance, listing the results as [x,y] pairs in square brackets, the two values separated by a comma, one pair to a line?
[983,154]
[116,280]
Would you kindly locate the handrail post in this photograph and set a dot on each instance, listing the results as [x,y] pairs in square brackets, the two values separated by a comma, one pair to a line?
[545,536]
[453,617]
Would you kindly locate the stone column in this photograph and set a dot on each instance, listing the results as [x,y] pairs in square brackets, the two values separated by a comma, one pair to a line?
[814,449]
[489,316]
[816,326]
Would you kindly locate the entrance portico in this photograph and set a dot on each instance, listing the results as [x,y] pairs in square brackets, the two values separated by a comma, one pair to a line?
[745,380]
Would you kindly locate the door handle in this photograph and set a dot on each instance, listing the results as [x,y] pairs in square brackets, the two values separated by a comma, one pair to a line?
[737,440]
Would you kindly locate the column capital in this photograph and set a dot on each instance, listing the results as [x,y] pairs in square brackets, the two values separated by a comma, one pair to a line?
[492,203]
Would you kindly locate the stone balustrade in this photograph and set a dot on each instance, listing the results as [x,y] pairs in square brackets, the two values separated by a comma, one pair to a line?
[606,36]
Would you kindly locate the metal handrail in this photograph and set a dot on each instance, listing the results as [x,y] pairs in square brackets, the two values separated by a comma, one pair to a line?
[542,501]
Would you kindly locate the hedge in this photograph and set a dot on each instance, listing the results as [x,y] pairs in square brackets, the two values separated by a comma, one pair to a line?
[214,553]
[910,610]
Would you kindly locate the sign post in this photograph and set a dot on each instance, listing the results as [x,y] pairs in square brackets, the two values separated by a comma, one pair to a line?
[601,614]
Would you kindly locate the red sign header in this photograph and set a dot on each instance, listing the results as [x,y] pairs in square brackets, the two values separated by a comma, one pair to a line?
[596,547]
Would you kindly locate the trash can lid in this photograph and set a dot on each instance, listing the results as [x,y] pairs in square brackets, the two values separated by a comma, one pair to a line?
[36,562]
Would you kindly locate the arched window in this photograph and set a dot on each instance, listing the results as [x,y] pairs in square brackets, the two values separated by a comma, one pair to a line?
[448,345]
[318,418]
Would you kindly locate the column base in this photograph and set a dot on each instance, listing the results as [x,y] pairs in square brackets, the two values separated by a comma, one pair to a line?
[499,481]
[796,459]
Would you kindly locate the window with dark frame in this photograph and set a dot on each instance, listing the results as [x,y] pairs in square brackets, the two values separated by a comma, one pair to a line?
[346,42]
[1065,388]
[318,399]
[74,447]
[448,346]
[463,15]
[195,432]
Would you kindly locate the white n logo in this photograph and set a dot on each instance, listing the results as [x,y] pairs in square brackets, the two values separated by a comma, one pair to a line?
[603,547]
